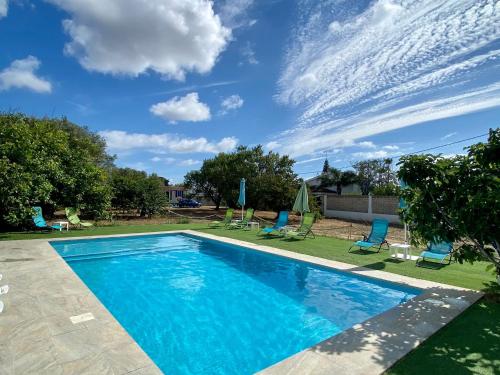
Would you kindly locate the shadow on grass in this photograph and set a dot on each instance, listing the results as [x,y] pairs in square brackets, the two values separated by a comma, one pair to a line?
[363,252]
[431,265]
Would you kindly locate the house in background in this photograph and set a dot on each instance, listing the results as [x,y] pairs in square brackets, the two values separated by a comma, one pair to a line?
[174,192]
[314,184]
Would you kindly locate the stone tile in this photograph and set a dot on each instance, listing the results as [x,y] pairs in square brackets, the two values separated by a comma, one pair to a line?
[305,362]
[34,358]
[148,370]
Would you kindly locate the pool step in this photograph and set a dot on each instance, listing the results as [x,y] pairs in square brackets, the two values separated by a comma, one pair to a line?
[117,253]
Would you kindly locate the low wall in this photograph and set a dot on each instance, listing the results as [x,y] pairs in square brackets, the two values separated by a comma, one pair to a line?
[360,207]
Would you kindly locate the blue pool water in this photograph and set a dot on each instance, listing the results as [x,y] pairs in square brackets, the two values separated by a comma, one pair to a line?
[200,306]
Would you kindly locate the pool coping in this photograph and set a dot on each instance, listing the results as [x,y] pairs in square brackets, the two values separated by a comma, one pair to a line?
[45,293]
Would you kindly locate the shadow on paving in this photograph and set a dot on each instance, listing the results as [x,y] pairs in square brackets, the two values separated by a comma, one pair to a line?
[378,343]
[468,345]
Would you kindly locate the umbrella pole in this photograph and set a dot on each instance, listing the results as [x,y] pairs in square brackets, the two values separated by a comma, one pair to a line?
[406,240]
[242,208]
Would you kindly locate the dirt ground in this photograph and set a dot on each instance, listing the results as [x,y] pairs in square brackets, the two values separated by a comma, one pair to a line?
[329,227]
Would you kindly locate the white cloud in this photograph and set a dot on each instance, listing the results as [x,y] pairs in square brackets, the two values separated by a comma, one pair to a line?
[119,141]
[4,8]
[339,132]
[366,144]
[371,154]
[355,72]
[449,135]
[272,145]
[391,147]
[156,159]
[309,160]
[186,108]
[21,74]
[234,13]
[231,103]
[189,162]
[249,54]
[130,37]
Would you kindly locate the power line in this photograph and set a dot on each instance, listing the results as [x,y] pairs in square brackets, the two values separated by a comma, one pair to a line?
[412,153]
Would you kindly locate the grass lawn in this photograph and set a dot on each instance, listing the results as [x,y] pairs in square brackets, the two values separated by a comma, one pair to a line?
[469,345]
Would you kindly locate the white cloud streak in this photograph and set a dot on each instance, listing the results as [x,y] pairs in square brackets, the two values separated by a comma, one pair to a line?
[393,64]
[21,74]
[4,8]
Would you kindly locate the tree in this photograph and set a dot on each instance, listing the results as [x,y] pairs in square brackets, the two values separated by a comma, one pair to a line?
[127,187]
[338,178]
[326,166]
[374,173]
[153,200]
[456,200]
[135,190]
[50,162]
[271,183]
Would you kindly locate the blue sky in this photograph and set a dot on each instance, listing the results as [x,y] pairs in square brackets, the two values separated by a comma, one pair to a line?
[169,83]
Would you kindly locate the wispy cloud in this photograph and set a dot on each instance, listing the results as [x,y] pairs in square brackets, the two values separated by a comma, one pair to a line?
[449,135]
[365,71]
[193,88]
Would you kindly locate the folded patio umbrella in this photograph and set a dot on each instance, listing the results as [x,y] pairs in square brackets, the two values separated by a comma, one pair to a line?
[302,201]
[241,199]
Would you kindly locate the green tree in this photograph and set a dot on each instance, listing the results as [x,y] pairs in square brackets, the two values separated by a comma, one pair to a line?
[50,162]
[127,187]
[457,200]
[271,183]
[153,200]
[326,166]
[374,173]
[135,190]
[334,176]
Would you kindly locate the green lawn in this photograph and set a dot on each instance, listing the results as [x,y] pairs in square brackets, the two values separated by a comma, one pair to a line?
[469,345]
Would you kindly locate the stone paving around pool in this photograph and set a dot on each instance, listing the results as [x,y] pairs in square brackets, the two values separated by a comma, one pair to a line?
[53,324]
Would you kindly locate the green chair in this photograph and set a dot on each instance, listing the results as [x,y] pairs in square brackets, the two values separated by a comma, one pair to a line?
[74,219]
[242,224]
[376,238]
[305,228]
[225,222]
[39,221]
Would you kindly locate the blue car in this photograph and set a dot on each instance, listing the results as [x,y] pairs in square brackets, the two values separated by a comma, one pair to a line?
[188,203]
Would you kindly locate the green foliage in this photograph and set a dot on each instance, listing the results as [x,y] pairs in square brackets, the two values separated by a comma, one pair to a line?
[387,190]
[135,190]
[271,183]
[456,199]
[50,162]
[334,176]
[154,199]
[374,173]
[127,188]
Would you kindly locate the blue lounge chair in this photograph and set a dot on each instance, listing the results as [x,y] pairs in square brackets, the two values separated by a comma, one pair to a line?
[39,221]
[437,251]
[376,237]
[280,224]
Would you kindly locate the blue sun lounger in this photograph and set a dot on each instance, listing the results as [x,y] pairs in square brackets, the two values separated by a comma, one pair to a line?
[280,224]
[39,221]
[437,251]
[376,236]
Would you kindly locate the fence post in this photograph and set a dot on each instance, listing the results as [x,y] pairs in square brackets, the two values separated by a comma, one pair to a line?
[370,203]
[325,197]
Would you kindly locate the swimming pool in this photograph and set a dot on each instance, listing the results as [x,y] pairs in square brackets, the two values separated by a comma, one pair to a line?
[199,306]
